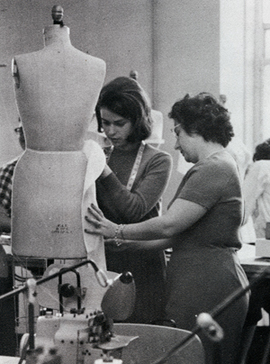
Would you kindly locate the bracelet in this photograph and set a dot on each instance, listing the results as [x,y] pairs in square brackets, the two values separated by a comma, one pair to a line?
[118,230]
[121,231]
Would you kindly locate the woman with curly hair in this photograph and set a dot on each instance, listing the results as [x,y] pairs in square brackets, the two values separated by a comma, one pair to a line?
[201,226]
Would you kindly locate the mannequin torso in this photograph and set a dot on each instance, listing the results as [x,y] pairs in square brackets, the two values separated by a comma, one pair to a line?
[56,92]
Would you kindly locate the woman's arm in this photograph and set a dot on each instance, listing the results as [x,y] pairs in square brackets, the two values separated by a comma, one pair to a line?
[180,216]
[132,206]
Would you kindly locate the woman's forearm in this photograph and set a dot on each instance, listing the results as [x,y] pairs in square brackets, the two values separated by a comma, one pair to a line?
[179,217]
[131,245]
[153,229]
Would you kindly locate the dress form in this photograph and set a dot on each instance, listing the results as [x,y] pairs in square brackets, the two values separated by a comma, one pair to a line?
[56,91]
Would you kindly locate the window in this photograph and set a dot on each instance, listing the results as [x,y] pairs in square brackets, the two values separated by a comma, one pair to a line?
[245,67]
[265,82]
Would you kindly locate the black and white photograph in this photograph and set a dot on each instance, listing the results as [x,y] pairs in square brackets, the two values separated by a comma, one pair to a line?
[135,182]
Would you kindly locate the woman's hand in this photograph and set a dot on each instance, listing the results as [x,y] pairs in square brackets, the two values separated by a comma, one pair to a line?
[98,223]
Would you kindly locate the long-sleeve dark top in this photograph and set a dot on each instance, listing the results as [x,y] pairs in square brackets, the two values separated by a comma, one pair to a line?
[143,201]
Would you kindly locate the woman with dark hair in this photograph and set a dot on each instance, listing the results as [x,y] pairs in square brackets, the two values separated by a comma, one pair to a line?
[262,151]
[201,225]
[130,187]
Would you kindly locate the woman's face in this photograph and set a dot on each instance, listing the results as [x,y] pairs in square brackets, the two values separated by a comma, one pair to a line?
[116,128]
[185,144]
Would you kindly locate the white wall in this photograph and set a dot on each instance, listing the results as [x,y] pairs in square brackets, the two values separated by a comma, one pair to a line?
[187,60]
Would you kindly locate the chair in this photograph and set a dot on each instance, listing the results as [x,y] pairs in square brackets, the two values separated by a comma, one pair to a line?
[154,341]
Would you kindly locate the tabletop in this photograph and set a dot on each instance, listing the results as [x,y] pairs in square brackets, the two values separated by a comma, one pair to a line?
[251,263]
